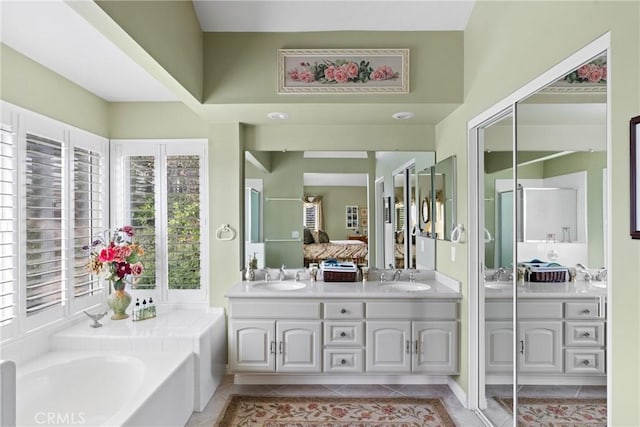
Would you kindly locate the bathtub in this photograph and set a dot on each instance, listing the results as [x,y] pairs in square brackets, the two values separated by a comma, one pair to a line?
[105,389]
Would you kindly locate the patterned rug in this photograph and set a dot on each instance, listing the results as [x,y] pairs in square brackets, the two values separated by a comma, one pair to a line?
[534,412]
[268,411]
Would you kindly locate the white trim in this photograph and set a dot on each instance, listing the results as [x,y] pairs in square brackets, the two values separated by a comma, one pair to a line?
[458,392]
[325,378]
[598,46]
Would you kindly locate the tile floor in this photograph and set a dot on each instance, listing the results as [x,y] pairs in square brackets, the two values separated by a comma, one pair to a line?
[500,417]
[213,410]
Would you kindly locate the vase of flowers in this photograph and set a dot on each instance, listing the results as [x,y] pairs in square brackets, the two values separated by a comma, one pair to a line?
[117,257]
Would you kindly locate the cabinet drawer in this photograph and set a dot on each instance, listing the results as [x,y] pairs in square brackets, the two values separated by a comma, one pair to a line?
[343,310]
[343,333]
[584,334]
[540,310]
[587,361]
[498,310]
[343,360]
[274,310]
[581,310]
[412,310]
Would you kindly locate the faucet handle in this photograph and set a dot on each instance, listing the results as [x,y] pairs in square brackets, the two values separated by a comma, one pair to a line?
[267,276]
[382,277]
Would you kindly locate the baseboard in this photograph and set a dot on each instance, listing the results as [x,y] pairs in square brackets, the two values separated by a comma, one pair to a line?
[458,392]
[338,379]
[546,380]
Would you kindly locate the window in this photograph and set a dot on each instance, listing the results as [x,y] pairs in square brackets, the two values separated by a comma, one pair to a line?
[160,191]
[52,198]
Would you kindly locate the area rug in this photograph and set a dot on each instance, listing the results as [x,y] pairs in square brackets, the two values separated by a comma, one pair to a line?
[268,411]
[549,412]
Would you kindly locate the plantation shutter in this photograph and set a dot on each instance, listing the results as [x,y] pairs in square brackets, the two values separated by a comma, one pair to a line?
[89,209]
[183,221]
[142,211]
[309,212]
[44,224]
[7,225]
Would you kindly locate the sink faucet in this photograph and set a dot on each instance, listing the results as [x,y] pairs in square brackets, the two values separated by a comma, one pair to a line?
[412,276]
[582,269]
[382,277]
[297,277]
[282,274]
[498,273]
[396,275]
[601,275]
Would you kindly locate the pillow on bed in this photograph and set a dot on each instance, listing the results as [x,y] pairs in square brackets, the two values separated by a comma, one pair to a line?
[322,237]
[308,236]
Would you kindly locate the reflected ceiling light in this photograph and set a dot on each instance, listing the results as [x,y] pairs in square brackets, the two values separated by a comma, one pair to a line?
[403,115]
[278,116]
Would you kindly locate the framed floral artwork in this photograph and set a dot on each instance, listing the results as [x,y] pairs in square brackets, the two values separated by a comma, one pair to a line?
[634,137]
[343,71]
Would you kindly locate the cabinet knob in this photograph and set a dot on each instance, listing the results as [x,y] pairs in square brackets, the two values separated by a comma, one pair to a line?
[343,334]
[586,334]
[585,362]
[586,311]
[343,311]
[343,362]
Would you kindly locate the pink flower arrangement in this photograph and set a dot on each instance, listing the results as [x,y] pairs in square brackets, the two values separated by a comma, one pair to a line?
[340,71]
[116,256]
[593,72]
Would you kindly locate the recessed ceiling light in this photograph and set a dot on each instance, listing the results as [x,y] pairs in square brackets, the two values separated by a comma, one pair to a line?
[278,116]
[403,115]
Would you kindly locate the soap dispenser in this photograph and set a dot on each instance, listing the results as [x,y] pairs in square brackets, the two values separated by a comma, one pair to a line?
[250,273]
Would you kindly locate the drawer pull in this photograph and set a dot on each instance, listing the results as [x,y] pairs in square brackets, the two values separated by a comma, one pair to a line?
[343,334]
[343,311]
[343,362]
[408,347]
[521,347]
[281,347]
[273,347]
[585,311]
[417,347]
[585,362]
[586,334]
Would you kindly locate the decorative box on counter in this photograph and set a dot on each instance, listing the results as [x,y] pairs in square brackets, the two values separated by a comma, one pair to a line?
[545,272]
[333,271]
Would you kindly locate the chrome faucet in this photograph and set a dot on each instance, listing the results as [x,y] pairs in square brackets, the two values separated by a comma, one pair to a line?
[282,275]
[412,276]
[267,277]
[297,277]
[601,275]
[396,275]
[498,274]
[382,277]
[582,269]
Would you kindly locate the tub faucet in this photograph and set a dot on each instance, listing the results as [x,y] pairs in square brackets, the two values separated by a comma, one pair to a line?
[582,269]
[396,275]
[282,274]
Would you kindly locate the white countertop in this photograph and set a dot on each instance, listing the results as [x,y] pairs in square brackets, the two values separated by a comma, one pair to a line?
[360,290]
[579,289]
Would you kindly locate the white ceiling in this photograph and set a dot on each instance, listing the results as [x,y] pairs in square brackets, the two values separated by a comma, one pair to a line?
[333,15]
[54,35]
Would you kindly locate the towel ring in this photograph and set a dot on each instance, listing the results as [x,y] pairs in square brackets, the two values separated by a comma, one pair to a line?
[487,236]
[457,233]
[225,232]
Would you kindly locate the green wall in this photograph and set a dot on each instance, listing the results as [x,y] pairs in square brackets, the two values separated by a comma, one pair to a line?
[334,202]
[507,44]
[28,84]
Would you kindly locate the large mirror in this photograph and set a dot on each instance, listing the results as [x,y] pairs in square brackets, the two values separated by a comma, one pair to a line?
[319,205]
[545,221]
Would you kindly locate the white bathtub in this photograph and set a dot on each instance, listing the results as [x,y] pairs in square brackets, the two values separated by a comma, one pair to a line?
[94,389]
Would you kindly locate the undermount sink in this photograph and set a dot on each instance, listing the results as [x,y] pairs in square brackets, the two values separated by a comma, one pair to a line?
[279,285]
[406,286]
[498,285]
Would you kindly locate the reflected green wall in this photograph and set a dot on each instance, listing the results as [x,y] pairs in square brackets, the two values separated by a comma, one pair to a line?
[334,203]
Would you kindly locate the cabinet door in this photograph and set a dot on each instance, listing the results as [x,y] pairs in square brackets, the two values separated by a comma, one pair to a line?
[435,347]
[540,347]
[299,347]
[251,346]
[498,346]
[388,346]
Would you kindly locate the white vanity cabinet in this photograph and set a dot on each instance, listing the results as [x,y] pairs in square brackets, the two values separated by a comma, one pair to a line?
[556,336]
[344,336]
[428,344]
[274,337]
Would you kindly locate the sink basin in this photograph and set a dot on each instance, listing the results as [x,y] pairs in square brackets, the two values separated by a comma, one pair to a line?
[406,286]
[279,286]
[498,285]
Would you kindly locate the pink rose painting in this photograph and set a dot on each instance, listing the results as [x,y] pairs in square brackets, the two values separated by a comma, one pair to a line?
[595,72]
[343,70]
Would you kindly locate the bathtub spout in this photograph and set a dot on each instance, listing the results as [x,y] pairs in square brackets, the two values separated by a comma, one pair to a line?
[95,318]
